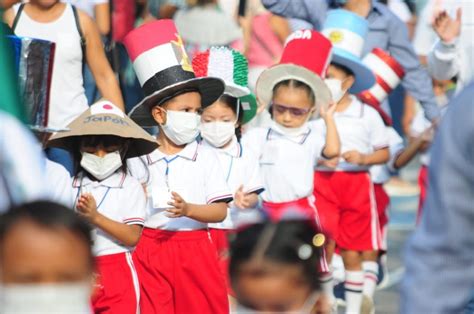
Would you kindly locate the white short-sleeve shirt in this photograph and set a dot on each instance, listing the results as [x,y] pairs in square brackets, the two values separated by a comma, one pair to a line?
[194,173]
[360,128]
[60,183]
[286,163]
[381,173]
[120,197]
[241,169]
[418,126]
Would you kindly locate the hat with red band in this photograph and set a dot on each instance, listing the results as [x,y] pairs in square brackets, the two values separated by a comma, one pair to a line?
[388,75]
[306,57]
[163,69]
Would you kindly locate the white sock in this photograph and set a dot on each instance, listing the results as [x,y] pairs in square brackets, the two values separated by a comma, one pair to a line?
[371,273]
[327,285]
[353,286]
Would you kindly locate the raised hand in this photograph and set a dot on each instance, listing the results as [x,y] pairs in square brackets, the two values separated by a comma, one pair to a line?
[329,112]
[447,28]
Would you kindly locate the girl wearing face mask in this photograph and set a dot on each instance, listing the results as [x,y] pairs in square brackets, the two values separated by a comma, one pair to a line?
[108,198]
[176,261]
[220,130]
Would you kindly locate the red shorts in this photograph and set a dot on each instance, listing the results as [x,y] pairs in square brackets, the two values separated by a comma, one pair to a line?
[304,206]
[179,273]
[221,242]
[383,201]
[117,289]
[347,209]
[423,184]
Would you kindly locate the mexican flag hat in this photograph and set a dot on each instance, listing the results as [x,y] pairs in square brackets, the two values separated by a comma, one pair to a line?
[164,70]
[232,67]
[305,58]
[104,118]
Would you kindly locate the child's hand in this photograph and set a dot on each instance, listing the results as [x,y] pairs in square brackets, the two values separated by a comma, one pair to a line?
[180,207]
[428,134]
[241,199]
[329,112]
[87,207]
[354,157]
[330,163]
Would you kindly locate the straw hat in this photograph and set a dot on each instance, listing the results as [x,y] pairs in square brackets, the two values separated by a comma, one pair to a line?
[104,118]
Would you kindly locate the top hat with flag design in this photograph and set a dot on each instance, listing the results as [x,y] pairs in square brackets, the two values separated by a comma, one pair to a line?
[347,32]
[34,60]
[305,58]
[163,69]
[388,75]
[104,118]
[232,67]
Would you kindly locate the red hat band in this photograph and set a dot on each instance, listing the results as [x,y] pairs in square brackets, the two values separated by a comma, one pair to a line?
[388,75]
[308,49]
[158,55]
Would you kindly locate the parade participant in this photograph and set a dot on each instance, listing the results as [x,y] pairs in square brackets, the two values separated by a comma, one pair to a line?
[386,31]
[176,262]
[100,140]
[220,129]
[342,185]
[46,262]
[77,41]
[272,268]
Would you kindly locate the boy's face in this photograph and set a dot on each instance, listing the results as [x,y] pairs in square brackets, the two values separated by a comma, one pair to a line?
[187,102]
[291,107]
[336,73]
[32,254]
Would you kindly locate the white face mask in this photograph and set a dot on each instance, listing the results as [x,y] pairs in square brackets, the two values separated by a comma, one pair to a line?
[45,298]
[218,133]
[291,132]
[101,167]
[335,86]
[181,127]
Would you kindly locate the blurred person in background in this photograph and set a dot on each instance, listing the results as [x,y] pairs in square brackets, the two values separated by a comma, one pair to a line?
[46,261]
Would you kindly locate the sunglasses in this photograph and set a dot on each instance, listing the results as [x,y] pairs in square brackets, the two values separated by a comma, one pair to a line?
[297,112]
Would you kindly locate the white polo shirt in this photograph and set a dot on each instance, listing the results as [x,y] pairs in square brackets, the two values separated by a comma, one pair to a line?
[60,184]
[286,162]
[381,173]
[360,128]
[194,173]
[240,168]
[120,197]
[418,126]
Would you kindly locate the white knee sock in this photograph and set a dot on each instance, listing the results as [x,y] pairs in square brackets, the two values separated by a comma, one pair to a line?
[371,273]
[327,285]
[353,286]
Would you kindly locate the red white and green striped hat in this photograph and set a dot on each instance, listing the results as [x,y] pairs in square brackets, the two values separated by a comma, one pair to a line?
[232,67]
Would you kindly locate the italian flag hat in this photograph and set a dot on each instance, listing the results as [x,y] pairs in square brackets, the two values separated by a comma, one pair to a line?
[232,67]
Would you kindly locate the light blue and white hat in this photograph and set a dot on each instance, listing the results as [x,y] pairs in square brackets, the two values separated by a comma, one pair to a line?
[347,32]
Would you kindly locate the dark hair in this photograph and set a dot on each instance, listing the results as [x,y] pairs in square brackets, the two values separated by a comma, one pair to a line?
[49,215]
[296,84]
[284,247]
[233,103]
[343,68]
[97,140]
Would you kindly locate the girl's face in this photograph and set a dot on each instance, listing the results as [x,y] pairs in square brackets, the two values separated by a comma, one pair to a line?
[100,150]
[218,111]
[291,107]
[101,147]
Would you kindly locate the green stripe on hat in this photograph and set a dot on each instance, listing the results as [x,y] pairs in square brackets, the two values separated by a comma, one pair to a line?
[241,69]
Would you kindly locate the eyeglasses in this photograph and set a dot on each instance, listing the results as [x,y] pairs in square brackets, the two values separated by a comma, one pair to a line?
[297,112]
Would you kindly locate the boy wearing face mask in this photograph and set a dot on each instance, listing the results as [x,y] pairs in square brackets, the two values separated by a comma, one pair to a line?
[342,185]
[176,261]
[220,130]
[112,201]
[46,263]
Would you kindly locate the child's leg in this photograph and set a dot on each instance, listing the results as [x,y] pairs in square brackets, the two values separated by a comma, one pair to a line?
[371,272]
[354,280]
[118,290]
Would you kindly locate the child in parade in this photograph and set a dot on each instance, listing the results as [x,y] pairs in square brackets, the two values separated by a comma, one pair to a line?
[176,261]
[220,129]
[100,140]
[342,185]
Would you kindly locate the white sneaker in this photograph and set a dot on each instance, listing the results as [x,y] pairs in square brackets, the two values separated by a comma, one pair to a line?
[367,306]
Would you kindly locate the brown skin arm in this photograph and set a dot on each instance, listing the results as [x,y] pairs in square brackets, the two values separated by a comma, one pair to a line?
[102,17]
[215,212]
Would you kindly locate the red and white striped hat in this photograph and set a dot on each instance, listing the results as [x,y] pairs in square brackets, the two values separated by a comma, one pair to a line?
[388,75]
[163,69]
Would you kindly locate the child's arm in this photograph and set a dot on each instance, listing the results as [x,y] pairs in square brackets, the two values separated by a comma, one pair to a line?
[215,212]
[416,145]
[332,148]
[380,156]
[126,234]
